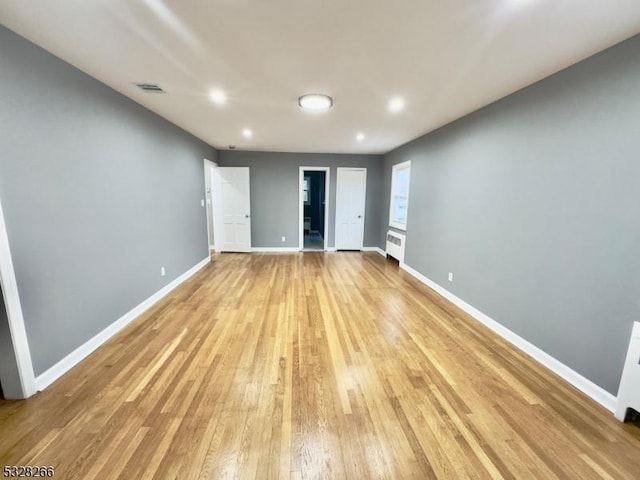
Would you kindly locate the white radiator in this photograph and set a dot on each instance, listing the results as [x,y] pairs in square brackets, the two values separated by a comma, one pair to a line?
[629,392]
[395,245]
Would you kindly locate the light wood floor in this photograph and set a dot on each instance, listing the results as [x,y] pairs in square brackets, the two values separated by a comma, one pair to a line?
[313,366]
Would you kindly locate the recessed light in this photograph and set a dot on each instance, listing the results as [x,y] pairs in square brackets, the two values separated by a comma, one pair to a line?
[247,133]
[218,97]
[360,136]
[396,104]
[315,102]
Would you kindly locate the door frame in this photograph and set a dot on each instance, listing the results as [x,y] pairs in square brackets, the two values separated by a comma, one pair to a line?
[15,318]
[209,203]
[327,183]
[218,231]
[364,206]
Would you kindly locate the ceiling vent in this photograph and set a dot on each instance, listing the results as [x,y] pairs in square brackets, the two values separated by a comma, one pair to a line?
[150,87]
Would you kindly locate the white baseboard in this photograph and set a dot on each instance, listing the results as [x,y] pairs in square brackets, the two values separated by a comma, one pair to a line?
[212,248]
[374,249]
[67,363]
[332,249]
[275,249]
[583,384]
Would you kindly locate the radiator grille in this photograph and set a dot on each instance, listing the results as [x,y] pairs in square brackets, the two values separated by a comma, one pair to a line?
[395,245]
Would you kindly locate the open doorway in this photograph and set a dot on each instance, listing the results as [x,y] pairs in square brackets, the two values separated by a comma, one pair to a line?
[314,187]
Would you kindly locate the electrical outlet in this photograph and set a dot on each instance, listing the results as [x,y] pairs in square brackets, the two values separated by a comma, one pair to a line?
[202,202]
[451,276]
[162,272]
[283,239]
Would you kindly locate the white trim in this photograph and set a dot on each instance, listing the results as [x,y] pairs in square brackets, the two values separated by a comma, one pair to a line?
[208,197]
[216,200]
[629,391]
[14,314]
[327,186]
[275,249]
[212,248]
[374,249]
[67,363]
[332,249]
[394,169]
[583,384]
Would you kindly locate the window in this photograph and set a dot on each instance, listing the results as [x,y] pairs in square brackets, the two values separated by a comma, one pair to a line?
[400,195]
[306,190]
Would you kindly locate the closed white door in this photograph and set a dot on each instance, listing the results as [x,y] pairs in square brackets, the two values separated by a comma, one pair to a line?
[235,208]
[350,203]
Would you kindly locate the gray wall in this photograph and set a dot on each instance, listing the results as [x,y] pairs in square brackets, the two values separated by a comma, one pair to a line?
[98,194]
[532,203]
[274,193]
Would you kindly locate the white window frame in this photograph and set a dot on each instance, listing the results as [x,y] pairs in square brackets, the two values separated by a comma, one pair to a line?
[397,168]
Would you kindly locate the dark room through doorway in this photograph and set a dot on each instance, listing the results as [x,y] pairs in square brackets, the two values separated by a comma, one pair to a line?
[313,197]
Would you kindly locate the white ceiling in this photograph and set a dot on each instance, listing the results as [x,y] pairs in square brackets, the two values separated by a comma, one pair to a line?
[446,58]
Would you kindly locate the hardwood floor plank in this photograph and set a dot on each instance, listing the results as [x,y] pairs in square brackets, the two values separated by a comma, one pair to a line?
[309,366]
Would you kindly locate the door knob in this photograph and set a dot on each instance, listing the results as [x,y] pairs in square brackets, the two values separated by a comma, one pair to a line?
[359,216]
[247,216]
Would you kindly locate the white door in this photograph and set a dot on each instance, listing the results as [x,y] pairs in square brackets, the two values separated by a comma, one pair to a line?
[234,205]
[350,202]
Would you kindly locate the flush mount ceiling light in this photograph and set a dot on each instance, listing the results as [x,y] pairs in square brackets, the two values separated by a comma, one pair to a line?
[360,137]
[247,133]
[315,102]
